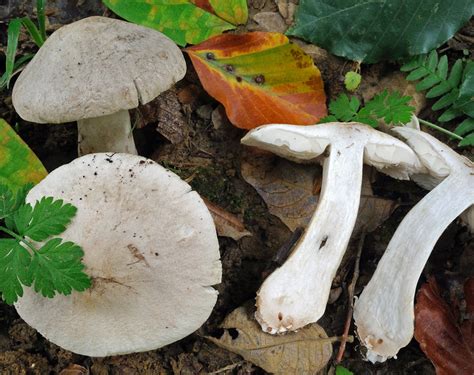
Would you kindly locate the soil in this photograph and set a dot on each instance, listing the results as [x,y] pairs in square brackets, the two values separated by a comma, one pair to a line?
[207,154]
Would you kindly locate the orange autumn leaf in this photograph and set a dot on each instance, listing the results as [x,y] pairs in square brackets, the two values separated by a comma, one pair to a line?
[260,78]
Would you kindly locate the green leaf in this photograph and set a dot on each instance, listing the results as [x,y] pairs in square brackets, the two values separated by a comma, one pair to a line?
[465,127]
[343,371]
[418,74]
[182,20]
[18,64]
[14,263]
[443,67]
[352,80]
[33,31]
[456,73]
[18,164]
[449,115]
[343,108]
[446,100]
[57,267]
[40,11]
[372,30]
[11,202]
[467,141]
[13,35]
[47,218]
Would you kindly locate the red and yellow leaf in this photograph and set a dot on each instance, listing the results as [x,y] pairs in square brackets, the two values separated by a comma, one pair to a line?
[18,164]
[260,78]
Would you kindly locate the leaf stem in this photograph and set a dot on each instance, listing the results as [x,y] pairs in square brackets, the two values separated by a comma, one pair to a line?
[18,238]
[439,128]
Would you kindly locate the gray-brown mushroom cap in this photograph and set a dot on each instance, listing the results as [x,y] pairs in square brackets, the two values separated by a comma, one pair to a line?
[150,248]
[96,67]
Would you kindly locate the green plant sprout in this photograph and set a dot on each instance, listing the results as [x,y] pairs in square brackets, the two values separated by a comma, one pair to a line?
[52,267]
[37,34]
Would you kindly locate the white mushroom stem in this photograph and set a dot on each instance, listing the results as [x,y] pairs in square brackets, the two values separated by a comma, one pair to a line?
[384,313]
[296,294]
[111,133]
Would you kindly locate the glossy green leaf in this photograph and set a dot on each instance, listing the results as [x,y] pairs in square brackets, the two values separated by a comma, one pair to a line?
[374,30]
[184,21]
[18,164]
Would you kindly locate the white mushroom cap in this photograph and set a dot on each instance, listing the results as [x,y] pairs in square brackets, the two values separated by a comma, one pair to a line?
[150,248]
[95,67]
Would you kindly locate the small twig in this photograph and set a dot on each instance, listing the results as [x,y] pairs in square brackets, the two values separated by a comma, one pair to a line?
[351,290]
[227,368]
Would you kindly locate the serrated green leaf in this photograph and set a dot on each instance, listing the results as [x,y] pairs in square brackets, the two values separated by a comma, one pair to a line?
[467,141]
[18,164]
[465,127]
[47,218]
[57,268]
[182,20]
[370,31]
[352,80]
[442,69]
[329,118]
[9,201]
[343,108]
[14,263]
[446,100]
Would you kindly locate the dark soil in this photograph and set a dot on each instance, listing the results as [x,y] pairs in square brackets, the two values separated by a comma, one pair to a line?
[209,159]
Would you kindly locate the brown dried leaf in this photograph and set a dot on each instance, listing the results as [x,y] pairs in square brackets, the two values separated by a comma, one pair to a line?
[74,369]
[303,352]
[450,347]
[227,225]
[291,192]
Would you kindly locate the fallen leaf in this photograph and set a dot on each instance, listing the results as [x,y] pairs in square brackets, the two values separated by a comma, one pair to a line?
[370,31]
[260,78]
[291,192]
[74,369]
[448,345]
[18,164]
[184,21]
[303,352]
[227,225]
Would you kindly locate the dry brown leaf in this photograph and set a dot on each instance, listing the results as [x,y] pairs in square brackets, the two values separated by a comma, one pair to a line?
[227,225]
[286,187]
[450,347]
[74,369]
[303,352]
[291,192]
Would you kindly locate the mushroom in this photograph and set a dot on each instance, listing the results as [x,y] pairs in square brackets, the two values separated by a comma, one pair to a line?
[384,313]
[93,71]
[150,249]
[296,293]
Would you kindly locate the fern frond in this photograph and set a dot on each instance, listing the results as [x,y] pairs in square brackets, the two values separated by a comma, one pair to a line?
[451,88]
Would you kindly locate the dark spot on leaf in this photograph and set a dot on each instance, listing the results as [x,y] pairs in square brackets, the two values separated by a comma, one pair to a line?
[233,333]
[259,80]
[239,79]
[229,68]
[210,56]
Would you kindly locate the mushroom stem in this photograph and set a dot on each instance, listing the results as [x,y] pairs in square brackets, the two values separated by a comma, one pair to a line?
[384,312]
[296,294]
[111,133]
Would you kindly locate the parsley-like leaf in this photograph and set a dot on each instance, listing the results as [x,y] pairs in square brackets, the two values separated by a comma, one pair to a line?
[14,263]
[49,217]
[392,108]
[57,267]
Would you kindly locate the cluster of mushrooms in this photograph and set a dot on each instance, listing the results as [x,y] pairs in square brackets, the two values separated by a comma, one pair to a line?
[149,241]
